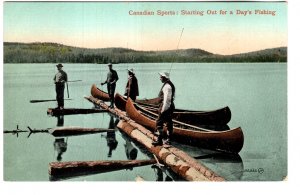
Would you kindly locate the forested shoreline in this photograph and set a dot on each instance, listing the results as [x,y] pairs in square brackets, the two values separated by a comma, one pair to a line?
[58,53]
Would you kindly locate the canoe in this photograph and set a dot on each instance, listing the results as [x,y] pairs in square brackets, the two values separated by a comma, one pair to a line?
[102,95]
[219,117]
[230,141]
[98,93]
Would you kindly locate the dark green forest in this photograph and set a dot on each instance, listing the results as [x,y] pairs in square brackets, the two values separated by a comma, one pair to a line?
[58,53]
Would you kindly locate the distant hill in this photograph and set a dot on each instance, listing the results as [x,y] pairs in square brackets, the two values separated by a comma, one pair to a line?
[55,53]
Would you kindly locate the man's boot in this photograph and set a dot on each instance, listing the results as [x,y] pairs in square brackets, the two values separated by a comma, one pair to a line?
[111,104]
[167,141]
[158,142]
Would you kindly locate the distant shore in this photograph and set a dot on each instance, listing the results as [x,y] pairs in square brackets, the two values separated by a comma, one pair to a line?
[53,53]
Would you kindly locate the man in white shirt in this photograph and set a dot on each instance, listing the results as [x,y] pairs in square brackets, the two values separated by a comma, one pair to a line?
[165,110]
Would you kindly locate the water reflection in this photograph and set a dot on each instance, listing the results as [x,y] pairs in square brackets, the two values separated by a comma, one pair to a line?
[60,145]
[160,173]
[111,140]
[229,166]
[60,120]
[130,151]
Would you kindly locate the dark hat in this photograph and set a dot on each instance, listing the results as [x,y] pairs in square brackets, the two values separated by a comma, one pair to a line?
[110,64]
[59,65]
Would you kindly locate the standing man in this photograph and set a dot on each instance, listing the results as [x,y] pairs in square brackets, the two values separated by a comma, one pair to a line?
[111,80]
[132,87]
[60,79]
[165,110]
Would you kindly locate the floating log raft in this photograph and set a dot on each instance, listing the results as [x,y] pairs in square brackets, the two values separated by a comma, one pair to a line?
[67,131]
[180,162]
[69,111]
[82,167]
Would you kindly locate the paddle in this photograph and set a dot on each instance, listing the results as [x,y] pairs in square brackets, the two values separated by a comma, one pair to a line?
[73,81]
[68,89]
[68,85]
[38,101]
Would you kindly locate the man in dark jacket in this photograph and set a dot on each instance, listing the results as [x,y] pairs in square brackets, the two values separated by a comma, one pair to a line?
[165,111]
[111,80]
[60,79]
[132,87]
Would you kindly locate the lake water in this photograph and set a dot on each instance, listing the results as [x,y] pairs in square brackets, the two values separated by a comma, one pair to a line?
[256,94]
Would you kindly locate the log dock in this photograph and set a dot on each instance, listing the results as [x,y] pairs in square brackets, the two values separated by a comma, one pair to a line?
[180,162]
[62,170]
[69,111]
[71,131]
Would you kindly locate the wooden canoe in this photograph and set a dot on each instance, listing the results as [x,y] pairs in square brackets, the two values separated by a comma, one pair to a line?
[98,93]
[219,117]
[102,95]
[231,141]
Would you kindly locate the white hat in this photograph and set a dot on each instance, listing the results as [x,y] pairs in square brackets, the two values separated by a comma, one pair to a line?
[130,70]
[165,74]
[110,64]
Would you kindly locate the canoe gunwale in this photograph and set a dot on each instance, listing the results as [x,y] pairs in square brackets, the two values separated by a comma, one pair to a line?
[230,141]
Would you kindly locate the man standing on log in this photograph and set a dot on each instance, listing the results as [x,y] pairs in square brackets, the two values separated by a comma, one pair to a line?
[132,87]
[165,110]
[111,80]
[60,79]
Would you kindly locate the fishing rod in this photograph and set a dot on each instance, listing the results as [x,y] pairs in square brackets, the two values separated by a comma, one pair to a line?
[176,50]
[68,89]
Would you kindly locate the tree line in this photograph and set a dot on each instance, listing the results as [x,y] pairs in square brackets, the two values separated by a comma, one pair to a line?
[58,53]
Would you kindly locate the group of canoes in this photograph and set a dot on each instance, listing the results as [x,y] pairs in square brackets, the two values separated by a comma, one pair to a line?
[206,129]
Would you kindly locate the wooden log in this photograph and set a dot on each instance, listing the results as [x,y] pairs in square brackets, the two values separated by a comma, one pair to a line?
[65,131]
[14,131]
[38,101]
[69,111]
[100,103]
[184,165]
[75,167]
[178,164]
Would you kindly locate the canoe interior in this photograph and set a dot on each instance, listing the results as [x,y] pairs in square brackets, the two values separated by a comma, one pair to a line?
[210,119]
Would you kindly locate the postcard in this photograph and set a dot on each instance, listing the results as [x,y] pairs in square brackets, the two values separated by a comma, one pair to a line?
[145,91]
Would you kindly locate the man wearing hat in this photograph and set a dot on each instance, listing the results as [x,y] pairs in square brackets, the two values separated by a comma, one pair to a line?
[111,80]
[59,79]
[132,87]
[165,111]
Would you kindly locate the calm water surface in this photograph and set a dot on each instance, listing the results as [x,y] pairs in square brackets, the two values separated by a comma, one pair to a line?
[256,94]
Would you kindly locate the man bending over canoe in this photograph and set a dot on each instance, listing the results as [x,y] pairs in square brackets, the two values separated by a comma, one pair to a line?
[111,80]
[165,110]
